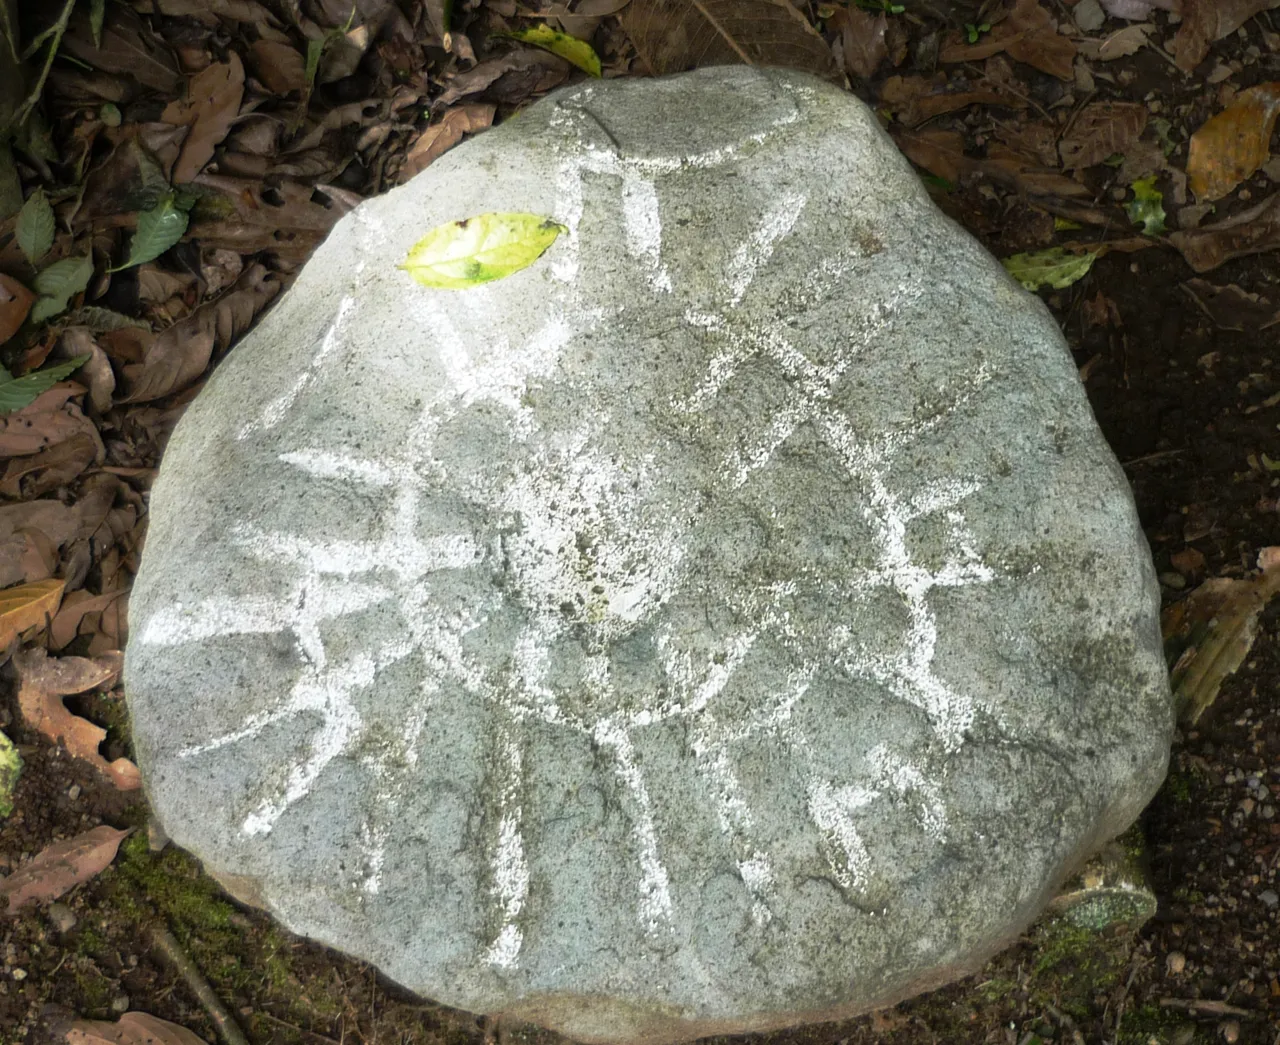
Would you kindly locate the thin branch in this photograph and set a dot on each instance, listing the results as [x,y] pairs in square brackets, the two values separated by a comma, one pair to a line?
[223,1021]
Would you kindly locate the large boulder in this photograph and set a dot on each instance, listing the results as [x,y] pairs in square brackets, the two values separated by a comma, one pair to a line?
[731,619]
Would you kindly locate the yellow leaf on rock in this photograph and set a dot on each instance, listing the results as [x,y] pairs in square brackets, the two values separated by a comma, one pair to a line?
[570,48]
[28,606]
[1233,144]
[466,253]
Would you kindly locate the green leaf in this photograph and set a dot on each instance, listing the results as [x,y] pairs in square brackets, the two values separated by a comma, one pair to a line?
[465,253]
[35,226]
[97,13]
[1055,267]
[10,768]
[58,284]
[570,48]
[158,230]
[17,392]
[1065,225]
[1147,206]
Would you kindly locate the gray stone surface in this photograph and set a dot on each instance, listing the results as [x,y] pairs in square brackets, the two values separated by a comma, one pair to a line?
[733,619]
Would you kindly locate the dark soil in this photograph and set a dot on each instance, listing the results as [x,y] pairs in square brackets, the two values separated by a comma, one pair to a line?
[1187,408]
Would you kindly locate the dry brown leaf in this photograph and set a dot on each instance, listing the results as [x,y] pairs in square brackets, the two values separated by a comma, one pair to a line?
[1228,148]
[31,533]
[43,682]
[440,137]
[126,47]
[582,21]
[60,867]
[1253,231]
[96,371]
[1204,22]
[212,102]
[1124,42]
[1029,34]
[1037,141]
[1209,633]
[915,99]
[512,77]
[1101,130]
[1231,307]
[156,285]
[28,607]
[939,151]
[180,354]
[134,1028]
[672,36]
[287,220]
[1137,10]
[65,627]
[1023,174]
[15,303]
[49,420]
[209,11]
[27,477]
[279,65]
[862,41]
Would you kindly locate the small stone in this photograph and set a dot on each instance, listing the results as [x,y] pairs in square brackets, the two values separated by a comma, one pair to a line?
[62,917]
[19,974]
[1246,805]
[157,837]
[1230,1031]
[1269,897]
[1267,812]
[120,1003]
[1184,1035]
[73,792]
[1088,15]
[1175,962]
[1173,580]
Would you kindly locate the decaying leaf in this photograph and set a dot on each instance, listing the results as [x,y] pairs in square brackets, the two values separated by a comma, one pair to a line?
[133,1028]
[1055,267]
[1147,206]
[212,102]
[127,47]
[43,682]
[10,770]
[916,99]
[1101,130]
[481,249]
[1233,144]
[1232,307]
[50,420]
[1120,44]
[60,867]
[1209,633]
[862,40]
[1029,34]
[288,221]
[1251,232]
[937,150]
[52,468]
[523,72]
[1206,21]
[179,354]
[279,65]
[572,50]
[672,36]
[28,607]
[1137,10]
[440,137]
[15,306]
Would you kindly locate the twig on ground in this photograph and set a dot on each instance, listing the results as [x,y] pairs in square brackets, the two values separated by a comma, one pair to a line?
[223,1021]
[299,1030]
[1217,1008]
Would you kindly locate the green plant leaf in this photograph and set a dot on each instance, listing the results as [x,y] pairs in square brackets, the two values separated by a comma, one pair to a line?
[35,226]
[1147,206]
[17,392]
[158,229]
[461,254]
[58,284]
[1055,267]
[570,48]
[97,14]
[10,768]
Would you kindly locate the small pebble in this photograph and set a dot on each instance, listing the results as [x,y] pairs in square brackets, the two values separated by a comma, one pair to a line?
[1247,804]
[157,836]
[120,1003]
[73,792]
[1183,1036]
[1269,897]
[1175,962]
[1230,1030]
[62,917]
[1088,15]
[19,974]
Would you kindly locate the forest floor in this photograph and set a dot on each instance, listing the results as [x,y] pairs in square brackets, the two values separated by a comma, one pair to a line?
[206,146]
